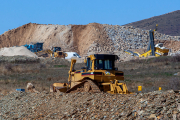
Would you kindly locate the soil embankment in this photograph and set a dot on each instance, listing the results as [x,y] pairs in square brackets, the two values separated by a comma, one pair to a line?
[86,39]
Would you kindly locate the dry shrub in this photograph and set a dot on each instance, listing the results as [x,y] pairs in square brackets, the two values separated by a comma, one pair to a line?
[26,60]
[175,58]
[174,83]
[42,65]
[6,69]
[161,59]
[137,60]
[49,79]
[9,67]
[18,69]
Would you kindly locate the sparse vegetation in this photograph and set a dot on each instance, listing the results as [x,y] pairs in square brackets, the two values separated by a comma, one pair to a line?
[42,74]
[149,73]
[60,66]
[152,73]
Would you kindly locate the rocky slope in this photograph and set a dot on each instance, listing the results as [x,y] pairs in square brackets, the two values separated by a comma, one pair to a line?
[153,105]
[86,39]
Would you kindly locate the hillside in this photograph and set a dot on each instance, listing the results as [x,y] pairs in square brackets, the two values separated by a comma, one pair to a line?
[86,39]
[167,23]
[70,38]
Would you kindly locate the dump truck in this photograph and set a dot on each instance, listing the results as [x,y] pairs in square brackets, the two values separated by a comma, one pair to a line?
[99,74]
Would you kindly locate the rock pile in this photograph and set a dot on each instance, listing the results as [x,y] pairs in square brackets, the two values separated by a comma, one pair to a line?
[126,37]
[85,39]
[153,105]
[129,37]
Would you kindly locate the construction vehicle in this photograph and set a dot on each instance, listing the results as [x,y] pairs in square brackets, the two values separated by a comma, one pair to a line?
[55,52]
[58,53]
[100,74]
[44,53]
[34,47]
[70,55]
[152,50]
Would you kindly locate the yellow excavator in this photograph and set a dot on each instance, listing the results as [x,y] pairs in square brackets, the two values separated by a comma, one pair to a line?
[100,74]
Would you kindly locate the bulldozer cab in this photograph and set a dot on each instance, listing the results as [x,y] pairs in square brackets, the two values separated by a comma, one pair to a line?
[56,52]
[55,49]
[101,62]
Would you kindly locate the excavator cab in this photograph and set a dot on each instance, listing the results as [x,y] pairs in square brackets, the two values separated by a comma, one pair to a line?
[100,74]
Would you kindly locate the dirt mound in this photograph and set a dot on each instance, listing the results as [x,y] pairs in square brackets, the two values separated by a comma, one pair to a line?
[85,35]
[76,38]
[85,39]
[51,35]
[18,36]
[16,51]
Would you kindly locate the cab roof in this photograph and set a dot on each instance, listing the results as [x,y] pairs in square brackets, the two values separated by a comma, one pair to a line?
[106,56]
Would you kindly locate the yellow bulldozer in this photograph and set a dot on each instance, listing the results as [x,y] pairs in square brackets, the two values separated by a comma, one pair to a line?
[56,52]
[100,74]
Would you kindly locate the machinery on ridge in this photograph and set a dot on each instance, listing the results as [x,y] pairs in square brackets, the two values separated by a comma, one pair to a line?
[56,52]
[100,74]
[34,47]
[152,50]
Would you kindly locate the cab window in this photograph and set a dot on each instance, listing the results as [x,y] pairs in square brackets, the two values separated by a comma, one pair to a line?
[104,64]
[89,64]
[108,64]
[100,64]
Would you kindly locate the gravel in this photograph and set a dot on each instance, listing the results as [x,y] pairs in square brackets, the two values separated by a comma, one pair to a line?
[102,106]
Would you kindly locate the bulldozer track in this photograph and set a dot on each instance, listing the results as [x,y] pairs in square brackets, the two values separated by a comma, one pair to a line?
[94,87]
